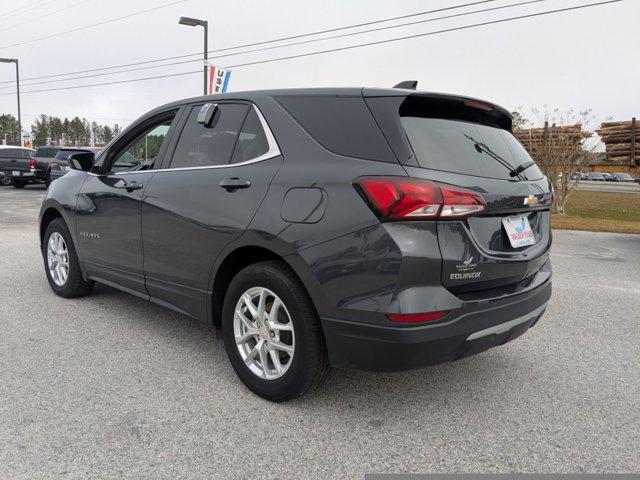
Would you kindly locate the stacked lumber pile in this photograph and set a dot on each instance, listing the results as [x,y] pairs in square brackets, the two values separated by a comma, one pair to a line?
[548,138]
[622,141]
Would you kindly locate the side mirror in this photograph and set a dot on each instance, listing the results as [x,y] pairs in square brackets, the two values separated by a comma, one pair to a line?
[206,113]
[82,161]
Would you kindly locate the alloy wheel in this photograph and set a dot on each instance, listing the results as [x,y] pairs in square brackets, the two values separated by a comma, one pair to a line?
[264,333]
[58,259]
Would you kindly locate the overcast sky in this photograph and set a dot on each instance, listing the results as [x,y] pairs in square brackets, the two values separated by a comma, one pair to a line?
[573,60]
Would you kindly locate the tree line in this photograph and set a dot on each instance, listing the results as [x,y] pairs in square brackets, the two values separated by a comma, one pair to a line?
[51,130]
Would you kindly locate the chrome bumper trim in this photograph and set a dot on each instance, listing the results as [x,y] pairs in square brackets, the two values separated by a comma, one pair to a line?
[506,326]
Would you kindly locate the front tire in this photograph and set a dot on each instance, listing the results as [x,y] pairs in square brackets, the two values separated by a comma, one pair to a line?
[61,262]
[18,183]
[272,333]
[5,181]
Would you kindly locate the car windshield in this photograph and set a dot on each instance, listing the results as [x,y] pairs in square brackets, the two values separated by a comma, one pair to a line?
[622,175]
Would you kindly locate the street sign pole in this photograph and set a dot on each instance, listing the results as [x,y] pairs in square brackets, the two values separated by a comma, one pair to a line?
[18,94]
[15,60]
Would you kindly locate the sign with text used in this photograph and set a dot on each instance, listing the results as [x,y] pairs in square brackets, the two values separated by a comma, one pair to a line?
[218,79]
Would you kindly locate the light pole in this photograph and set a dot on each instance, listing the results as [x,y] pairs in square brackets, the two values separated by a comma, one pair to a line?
[15,60]
[194,22]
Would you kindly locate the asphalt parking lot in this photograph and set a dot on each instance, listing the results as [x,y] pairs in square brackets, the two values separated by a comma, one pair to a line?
[110,386]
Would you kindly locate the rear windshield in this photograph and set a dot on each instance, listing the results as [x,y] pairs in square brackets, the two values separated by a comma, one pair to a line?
[46,152]
[465,147]
[15,153]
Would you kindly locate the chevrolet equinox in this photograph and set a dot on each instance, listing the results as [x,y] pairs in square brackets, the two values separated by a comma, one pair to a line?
[375,229]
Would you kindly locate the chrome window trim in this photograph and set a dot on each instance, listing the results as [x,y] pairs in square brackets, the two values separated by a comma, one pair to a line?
[273,151]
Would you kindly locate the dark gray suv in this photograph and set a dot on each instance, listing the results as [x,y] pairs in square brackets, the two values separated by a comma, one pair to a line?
[377,229]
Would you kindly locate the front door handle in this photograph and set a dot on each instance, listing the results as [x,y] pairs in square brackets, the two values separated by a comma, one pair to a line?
[131,186]
[232,184]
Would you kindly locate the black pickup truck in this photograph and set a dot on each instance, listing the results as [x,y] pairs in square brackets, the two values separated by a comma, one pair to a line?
[17,163]
[23,165]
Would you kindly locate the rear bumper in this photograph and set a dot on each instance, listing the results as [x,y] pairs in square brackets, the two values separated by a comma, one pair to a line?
[476,328]
[29,175]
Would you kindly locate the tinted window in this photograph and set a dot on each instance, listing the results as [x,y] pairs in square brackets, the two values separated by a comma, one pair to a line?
[7,153]
[467,148]
[343,125]
[64,154]
[201,147]
[47,152]
[252,141]
[141,153]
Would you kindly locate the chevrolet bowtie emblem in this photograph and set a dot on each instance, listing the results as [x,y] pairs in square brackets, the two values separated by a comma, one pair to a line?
[531,200]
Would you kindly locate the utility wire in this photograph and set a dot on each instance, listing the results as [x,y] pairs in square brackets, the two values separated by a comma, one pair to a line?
[111,83]
[43,16]
[464,27]
[199,54]
[286,44]
[111,20]
[25,8]
[436,32]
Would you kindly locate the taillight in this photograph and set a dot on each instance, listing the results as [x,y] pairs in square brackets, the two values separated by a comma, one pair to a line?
[460,202]
[416,317]
[405,198]
[33,163]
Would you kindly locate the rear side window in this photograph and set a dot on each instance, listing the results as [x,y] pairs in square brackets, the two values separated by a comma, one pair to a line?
[252,142]
[341,124]
[201,147]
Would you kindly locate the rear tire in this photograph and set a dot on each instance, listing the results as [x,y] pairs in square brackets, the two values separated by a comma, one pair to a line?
[18,183]
[67,280]
[5,181]
[292,332]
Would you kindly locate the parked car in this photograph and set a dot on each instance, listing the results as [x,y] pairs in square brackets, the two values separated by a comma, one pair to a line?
[60,165]
[595,177]
[377,229]
[608,177]
[16,162]
[622,177]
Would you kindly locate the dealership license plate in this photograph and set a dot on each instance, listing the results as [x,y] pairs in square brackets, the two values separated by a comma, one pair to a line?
[519,231]
[15,173]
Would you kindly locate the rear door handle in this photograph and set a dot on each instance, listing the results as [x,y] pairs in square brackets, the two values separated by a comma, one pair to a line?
[231,184]
[131,186]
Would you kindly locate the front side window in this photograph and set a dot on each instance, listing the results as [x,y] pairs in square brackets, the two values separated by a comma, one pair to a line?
[142,153]
[201,146]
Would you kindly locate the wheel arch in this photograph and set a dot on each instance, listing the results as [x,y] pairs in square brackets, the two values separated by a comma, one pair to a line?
[49,215]
[234,259]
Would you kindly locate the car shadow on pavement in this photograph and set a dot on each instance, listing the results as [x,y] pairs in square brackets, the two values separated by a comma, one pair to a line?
[342,390]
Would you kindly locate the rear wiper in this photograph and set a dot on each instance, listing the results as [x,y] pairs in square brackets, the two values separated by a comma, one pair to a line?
[521,168]
[483,148]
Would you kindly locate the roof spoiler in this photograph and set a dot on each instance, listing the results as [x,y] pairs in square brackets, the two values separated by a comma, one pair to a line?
[408,84]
